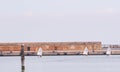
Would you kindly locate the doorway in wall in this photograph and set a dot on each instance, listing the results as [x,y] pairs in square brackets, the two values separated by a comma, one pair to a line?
[28,48]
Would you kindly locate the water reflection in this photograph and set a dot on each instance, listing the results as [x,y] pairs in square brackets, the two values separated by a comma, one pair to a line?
[22,70]
[61,64]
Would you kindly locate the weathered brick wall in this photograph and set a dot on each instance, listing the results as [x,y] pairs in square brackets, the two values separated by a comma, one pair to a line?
[51,46]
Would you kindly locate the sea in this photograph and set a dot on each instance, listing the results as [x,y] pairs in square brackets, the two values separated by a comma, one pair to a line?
[92,63]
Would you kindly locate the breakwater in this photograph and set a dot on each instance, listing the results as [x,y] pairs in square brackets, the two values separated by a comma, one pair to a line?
[55,53]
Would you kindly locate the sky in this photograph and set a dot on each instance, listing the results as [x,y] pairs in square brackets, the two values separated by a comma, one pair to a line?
[60,21]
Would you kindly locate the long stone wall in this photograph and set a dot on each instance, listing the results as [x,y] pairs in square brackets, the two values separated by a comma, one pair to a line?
[51,46]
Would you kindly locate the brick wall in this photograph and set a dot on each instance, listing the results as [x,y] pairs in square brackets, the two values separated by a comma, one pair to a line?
[51,46]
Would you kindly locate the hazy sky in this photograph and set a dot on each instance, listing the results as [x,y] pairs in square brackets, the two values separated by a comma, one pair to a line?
[60,20]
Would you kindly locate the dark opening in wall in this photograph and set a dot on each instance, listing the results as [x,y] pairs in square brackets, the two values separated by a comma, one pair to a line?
[55,48]
[28,48]
[65,53]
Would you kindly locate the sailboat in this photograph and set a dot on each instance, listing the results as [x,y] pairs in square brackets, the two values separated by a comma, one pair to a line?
[85,52]
[39,52]
[108,52]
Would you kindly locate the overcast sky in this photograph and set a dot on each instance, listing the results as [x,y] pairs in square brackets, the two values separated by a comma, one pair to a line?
[60,20]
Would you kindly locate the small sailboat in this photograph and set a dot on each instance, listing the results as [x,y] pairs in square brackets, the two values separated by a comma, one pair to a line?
[39,52]
[85,52]
[108,52]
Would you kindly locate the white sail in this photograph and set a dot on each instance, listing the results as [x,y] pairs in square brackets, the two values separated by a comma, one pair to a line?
[108,52]
[85,51]
[39,52]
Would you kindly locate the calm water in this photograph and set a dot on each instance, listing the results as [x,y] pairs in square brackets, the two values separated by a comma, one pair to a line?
[62,64]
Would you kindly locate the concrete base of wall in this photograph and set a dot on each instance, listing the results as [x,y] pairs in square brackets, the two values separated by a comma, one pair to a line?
[55,53]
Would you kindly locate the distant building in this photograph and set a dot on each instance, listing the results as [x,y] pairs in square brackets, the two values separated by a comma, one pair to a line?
[113,47]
